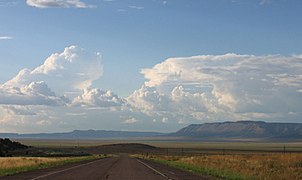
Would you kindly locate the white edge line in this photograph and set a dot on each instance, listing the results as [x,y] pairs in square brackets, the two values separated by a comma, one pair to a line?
[49,174]
[153,169]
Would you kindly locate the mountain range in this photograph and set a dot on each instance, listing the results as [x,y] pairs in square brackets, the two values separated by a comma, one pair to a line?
[222,130]
[242,129]
[83,134]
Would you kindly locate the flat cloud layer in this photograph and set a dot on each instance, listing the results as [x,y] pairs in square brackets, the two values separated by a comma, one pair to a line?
[58,95]
[58,4]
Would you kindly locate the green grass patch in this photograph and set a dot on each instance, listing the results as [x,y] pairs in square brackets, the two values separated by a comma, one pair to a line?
[35,165]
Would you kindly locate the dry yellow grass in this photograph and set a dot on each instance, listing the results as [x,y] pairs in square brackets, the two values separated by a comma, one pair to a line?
[13,162]
[14,165]
[265,166]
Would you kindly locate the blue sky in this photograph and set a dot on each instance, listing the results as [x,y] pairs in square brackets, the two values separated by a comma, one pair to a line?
[135,35]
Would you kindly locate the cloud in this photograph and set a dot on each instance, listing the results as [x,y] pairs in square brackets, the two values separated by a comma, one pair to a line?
[44,122]
[165,120]
[97,98]
[263,2]
[150,101]
[130,120]
[5,3]
[121,10]
[70,71]
[18,110]
[76,114]
[6,37]
[35,93]
[58,4]
[59,93]
[216,87]
[60,81]
[136,7]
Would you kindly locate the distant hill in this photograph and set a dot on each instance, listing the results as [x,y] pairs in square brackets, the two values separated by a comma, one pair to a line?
[128,148]
[222,130]
[6,146]
[83,134]
[242,129]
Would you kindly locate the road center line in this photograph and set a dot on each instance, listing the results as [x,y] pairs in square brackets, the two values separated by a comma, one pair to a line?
[153,169]
[56,172]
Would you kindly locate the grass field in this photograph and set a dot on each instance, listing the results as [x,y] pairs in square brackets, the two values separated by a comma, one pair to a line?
[227,160]
[252,166]
[14,165]
[246,146]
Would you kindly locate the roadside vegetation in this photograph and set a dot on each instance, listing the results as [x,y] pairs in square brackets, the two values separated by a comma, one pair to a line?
[248,166]
[15,165]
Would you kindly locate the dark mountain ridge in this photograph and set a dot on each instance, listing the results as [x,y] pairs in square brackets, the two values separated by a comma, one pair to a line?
[242,129]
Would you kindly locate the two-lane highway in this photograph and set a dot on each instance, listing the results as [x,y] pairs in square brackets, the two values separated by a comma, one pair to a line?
[115,168]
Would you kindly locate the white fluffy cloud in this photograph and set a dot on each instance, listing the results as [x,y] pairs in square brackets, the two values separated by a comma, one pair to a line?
[72,70]
[97,97]
[148,100]
[35,93]
[58,4]
[59,93]
[221,87]
[61,78]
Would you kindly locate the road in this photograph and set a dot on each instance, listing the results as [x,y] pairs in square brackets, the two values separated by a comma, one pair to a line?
[116,168]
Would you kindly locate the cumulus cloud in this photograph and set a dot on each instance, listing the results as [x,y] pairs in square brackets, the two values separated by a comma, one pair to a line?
[177,91]
[147,99]
[72,70]
[35,93]
[150,101]
[97,97]
[58,4]
[216,87]
[59,81]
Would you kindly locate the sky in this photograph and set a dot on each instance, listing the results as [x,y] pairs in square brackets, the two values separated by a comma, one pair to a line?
[148,65]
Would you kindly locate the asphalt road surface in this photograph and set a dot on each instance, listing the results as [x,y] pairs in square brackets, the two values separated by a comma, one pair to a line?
[116,168]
